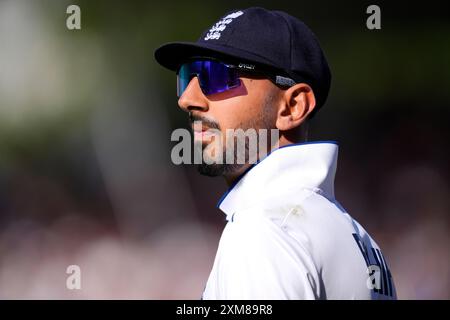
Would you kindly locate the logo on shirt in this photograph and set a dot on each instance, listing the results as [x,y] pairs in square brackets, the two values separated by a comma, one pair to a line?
[380,277]
[215,32]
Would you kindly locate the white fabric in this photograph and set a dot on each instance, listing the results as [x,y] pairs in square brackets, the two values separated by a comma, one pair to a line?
[288,238]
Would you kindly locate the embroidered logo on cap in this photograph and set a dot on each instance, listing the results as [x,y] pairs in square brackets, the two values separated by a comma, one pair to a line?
[215,32]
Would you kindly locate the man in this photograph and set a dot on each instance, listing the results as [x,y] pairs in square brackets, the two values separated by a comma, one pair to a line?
[286,237]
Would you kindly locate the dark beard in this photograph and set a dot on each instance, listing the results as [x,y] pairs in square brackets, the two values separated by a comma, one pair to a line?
[265,120]
[219,169]
[215,170]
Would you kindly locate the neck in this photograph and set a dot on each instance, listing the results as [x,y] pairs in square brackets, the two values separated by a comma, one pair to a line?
[231,177]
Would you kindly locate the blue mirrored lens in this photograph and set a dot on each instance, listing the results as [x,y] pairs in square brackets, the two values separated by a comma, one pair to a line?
[213,76]
[184,76]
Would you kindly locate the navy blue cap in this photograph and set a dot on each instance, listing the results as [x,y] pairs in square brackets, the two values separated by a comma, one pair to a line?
[273,39]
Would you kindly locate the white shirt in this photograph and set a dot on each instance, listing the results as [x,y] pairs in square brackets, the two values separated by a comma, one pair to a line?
[288,238]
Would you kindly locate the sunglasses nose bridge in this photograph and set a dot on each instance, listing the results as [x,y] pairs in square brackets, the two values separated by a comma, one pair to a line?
[182,85]
[193,97]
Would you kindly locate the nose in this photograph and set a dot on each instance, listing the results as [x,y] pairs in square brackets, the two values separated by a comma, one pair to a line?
[193,97]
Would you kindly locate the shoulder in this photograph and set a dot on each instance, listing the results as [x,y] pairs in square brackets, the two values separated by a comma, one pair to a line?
[307,211]
[257,258]
[307,221]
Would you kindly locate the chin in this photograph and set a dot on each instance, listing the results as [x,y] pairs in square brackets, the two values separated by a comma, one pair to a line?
[211,170]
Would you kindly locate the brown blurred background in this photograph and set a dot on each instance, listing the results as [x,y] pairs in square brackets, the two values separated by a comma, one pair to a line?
[85,123]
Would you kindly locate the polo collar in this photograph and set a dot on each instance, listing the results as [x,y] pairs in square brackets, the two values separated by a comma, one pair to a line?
[285,170]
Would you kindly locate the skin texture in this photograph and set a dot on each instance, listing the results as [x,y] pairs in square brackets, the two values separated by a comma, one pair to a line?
[257,103]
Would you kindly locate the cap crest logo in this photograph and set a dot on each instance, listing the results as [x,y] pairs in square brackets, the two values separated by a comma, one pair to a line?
[215,32]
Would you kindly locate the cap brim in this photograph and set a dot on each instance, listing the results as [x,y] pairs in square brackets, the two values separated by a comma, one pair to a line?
[171,55]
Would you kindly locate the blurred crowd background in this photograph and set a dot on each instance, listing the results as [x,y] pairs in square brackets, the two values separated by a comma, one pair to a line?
[85,123]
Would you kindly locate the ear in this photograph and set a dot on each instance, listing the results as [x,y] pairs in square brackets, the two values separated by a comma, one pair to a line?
[297,103]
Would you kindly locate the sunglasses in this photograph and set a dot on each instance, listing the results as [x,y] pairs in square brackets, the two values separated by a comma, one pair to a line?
[216,76]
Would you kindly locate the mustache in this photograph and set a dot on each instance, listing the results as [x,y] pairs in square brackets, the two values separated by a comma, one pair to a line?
[207,122]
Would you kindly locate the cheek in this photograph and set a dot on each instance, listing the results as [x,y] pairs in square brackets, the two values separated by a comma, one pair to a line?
[239,111]
[235,115]
[242,108]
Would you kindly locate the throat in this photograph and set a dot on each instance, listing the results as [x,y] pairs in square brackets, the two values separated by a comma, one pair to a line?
[232,177]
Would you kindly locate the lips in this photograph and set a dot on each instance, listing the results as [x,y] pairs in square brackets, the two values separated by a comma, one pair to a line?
[203,129]
[203,133]
[199,129]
